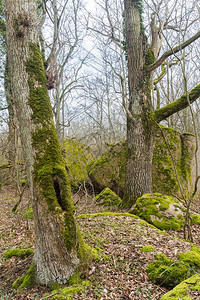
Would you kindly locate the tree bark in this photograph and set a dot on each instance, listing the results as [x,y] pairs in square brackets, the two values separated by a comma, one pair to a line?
[59,247]
[138,178]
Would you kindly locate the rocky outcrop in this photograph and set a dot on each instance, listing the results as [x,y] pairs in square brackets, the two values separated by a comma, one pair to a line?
[171,149]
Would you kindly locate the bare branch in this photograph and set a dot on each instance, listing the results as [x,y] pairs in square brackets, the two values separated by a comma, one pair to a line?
[172,51]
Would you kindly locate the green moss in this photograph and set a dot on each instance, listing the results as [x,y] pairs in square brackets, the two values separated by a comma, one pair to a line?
[27,280]
[108,198]
[22,253]
[148,248]
[196,249]
[182,291]
[68,292]
[164,206]
[75,279]
[109,169]
[77,158]
[83,216]
[164,177]
[152,208]
[192,259]
[29,213]
[49,162]
[195,219]
[180,217]
[55,286]
[186,162]
[169,273]
[50,175]
[149,57]
[23,182]
[177,105]
[166,272]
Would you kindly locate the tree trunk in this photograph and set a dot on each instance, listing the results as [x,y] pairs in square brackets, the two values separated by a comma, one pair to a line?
[141,118]
[140,127]
[138,178]
[58,242]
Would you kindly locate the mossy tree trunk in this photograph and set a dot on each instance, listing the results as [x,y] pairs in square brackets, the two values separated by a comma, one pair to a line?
[58,244]
[141,119]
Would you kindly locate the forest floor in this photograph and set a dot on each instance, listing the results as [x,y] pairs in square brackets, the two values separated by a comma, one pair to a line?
[120,273]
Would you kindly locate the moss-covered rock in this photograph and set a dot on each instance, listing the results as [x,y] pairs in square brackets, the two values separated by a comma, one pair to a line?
[182,147]
[22,253]
[77,158]
[192,259]
[108,198]
[109,169]
[185,290]
[165,271]
[162,211]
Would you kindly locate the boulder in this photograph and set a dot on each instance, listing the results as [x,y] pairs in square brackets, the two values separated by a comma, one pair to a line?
[162,211]
[164,271]
[188,289]
[108,198]
[109,169]
[77,158]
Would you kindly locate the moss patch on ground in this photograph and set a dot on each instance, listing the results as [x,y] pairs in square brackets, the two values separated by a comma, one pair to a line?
[148,248]
[108,198]
[107,214]
[68,292]
[22,253]
[185,289]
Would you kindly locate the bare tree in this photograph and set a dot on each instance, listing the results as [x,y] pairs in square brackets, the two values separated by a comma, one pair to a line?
[66,55]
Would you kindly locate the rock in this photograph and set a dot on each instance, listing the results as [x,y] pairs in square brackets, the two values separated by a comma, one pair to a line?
[108,198]
[109,169]
[185,290]
[164,212]
[77,158]
[164,271]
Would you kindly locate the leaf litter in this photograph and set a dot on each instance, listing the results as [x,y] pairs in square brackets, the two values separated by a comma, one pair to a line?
[119,274]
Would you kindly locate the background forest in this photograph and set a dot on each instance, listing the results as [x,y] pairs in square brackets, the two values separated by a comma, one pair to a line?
[99,139]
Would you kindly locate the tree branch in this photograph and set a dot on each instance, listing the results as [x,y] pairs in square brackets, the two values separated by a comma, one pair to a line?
[172,51]
[177,105]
